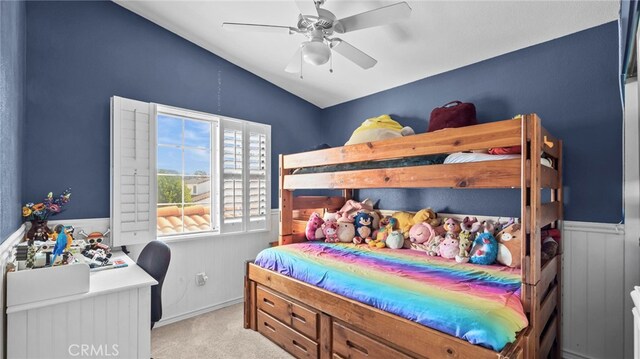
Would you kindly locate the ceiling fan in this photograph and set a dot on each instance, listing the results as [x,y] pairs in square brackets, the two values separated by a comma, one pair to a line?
[319,25]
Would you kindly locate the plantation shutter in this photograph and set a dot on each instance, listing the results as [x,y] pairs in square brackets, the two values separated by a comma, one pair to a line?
[258,177]
[232,171]
[133,172]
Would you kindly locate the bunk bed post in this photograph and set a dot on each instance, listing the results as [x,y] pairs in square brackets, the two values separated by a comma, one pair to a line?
[534,193]
[524,202]
[556,195]
[347,194]
[528,297]
[286,207]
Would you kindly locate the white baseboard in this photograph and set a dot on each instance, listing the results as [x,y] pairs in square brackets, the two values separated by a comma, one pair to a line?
[195,313]
[568,354]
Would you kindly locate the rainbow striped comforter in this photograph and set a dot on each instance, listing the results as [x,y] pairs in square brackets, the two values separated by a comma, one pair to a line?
[480,304]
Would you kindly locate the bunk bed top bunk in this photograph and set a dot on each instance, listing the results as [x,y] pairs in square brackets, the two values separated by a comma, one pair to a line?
[344,322]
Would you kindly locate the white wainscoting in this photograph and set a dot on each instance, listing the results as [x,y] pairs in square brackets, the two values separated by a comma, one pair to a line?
[222,258]
[593,287]
[593,291]
[6,255]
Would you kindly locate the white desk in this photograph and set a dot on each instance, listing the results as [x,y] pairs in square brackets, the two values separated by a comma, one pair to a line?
[111,320]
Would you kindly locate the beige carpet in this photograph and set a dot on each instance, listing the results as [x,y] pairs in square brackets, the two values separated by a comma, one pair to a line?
[217,334]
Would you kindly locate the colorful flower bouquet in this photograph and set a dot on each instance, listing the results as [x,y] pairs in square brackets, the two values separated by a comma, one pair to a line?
[39,213]
[47,208]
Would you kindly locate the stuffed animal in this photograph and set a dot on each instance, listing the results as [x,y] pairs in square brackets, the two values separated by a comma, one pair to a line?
[484,250]
[363,227]
[433,246]
[469,229]
[451,225]
[549,249]
[420,234]
[330,216]
[489,227]
[375,219]
[314,227]
[407,219]
[377,243]
[378,128]
[395,240]
[509,246]
[387,225]
[330,231]
[426,215]
[351,207]
[448,248]
[346,231]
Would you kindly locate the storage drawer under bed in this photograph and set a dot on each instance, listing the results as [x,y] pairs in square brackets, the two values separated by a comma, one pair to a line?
[288,339]
[296,316]
[348,343]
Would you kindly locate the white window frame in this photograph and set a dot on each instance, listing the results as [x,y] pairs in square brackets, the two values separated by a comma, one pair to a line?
[214,175]
[150,232]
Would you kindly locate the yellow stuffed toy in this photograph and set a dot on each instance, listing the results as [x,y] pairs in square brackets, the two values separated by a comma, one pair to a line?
[406,220]
[378,128]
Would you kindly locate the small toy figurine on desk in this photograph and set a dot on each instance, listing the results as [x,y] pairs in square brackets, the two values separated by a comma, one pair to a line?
[61,242]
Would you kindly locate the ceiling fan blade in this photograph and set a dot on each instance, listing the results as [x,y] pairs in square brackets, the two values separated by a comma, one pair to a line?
[307,7]
[381,16]
[294,65]
[235,26]
[353,54]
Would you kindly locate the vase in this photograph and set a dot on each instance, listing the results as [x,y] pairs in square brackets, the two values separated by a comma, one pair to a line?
[39,231]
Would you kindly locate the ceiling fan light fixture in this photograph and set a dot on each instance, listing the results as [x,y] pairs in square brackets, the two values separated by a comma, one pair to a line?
[315,52]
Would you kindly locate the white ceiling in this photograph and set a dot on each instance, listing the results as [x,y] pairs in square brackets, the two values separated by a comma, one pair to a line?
[439,36]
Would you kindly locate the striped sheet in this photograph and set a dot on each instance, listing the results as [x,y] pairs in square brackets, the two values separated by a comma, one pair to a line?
[480,304]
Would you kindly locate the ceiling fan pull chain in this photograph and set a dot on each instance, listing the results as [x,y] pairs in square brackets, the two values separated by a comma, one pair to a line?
[301,78]
[331,64]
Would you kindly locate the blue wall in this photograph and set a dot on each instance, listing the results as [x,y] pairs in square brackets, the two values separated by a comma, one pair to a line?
[12,112]
[82,53]
[571,82]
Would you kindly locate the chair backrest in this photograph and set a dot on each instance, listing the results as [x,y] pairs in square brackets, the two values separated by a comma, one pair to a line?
[154,259]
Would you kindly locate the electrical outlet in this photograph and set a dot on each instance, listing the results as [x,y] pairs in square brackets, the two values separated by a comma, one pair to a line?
[201,278]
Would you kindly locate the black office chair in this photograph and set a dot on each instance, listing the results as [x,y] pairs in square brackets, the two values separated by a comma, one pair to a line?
[154,259]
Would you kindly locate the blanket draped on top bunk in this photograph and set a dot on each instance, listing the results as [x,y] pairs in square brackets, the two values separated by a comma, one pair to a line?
[480,304]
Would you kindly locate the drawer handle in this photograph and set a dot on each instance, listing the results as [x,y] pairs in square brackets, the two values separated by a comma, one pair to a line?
[298,317]
[269,302]
[268,326]
[357,347]
[299,346]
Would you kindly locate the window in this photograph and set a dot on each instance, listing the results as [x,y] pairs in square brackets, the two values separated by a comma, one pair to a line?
[184,169]
[179,172]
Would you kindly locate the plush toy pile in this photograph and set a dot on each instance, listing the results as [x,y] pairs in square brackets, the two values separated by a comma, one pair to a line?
[468,240]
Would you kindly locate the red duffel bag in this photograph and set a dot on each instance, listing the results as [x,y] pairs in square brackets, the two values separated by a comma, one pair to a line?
[453,114]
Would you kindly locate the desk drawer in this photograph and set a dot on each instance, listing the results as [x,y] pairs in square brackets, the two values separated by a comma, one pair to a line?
[298,317]
[290,340]
[348,343]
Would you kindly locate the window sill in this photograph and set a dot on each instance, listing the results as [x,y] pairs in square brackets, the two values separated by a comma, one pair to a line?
[210,235]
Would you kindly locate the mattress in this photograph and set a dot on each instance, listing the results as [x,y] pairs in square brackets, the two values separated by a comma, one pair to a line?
[458,157]
[366,165]
[466,157]
[480,304]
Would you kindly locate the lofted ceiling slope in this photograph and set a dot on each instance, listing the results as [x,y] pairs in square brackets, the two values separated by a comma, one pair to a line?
[438,37]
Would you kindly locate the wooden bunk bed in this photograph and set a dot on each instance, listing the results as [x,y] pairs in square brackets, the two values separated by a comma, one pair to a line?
[310,322]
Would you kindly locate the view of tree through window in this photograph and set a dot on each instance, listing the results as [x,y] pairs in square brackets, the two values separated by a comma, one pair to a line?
[184,175]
